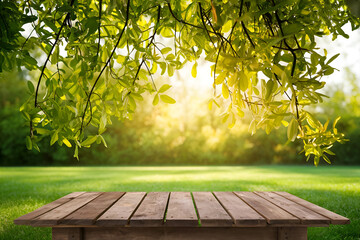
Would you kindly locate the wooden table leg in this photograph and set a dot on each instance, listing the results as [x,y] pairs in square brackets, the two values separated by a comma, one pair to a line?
[292,233]
[59,233]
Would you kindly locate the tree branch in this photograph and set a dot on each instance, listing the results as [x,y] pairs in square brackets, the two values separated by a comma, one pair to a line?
[107,62]
[48,57]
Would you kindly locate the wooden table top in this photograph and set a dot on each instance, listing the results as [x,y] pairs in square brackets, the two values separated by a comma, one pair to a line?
[183,209]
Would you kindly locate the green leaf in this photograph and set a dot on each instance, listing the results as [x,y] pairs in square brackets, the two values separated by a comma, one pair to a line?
[165,50]
[210,103]
[292,130]
[292,28]
[31,87]
[170,70]
[137,96]
[312,121]
[170,57]
[120,59]
[103,140]
[225,91]
[55,55]
[103,121]
[42,131]
[90,140]
[269,89]
[156,100]
[54,138]
[28,143]
[67,143]
[76,152]
[220,78]
[164,88]
[193,70]
[334,125]
[332,58]
[243,81]
[167,99]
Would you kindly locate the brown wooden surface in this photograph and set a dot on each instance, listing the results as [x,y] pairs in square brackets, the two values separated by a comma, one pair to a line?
[67,234]
[335,218]
[183,233]
[119,214]
[87,214]
[292,233]
[181,210]
[151,212]
[272,213]
[210,211]
[305,215]
[27,219]
[242,214]
[52,217]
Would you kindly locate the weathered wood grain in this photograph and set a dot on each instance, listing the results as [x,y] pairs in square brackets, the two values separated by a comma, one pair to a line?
[211,213]
[305,215]
[292,233]
[52,217]
[334,218]
[151,211]
[272,213]
[27,219]
[181,210]
[242,214]
[120,213]
[87,214]
[59,233]
[184,233]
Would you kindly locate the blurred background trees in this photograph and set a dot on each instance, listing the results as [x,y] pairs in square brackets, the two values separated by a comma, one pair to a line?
[185,133]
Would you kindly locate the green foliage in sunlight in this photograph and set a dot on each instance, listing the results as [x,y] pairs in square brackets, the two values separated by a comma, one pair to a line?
[102,56]
[26,189]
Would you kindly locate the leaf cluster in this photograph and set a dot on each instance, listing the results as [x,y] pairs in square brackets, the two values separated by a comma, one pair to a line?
[102,56]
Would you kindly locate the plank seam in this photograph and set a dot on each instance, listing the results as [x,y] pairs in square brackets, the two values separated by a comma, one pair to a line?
[267,220]
[136,208]
[305,206]
[196,210]
[234,221]
[166,208]
[279,207]
[61,219]
[69,199]
[100,214]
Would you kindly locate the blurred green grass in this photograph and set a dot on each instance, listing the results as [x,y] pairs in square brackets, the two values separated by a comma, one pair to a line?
[23,189]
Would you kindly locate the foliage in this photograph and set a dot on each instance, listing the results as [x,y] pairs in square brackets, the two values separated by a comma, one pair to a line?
[102,56]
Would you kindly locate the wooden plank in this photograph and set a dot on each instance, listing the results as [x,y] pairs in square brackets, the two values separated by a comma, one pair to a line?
[88,214]
[53,217]
[292,233]
[27,218]
[181,210]
[183,233]
[334,218]
[120,213]
[272,213]
[305,215]
[151,211]
[67,233]
[242,214]
[211,213]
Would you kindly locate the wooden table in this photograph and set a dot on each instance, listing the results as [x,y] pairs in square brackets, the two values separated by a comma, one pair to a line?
[180,215]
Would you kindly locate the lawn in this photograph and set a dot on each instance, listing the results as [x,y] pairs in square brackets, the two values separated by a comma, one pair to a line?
[27,188]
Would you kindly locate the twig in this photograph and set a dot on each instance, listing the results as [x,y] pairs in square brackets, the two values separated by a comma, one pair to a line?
[107,62]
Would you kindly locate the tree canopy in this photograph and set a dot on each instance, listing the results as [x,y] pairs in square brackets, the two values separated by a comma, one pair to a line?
[102,56]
